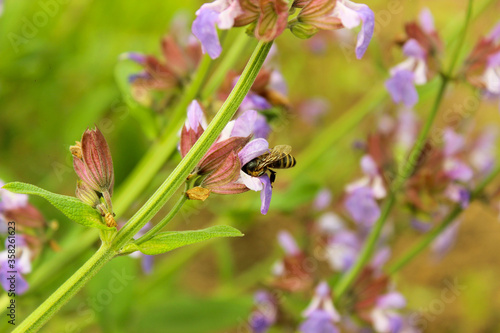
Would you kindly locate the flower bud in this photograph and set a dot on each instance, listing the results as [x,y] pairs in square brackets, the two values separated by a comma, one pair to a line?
[86,194]
[95,167]
[303,30]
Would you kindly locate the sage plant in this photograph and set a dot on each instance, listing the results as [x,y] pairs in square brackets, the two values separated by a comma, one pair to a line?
[196,108]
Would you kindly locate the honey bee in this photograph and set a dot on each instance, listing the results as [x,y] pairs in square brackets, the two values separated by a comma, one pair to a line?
[278,158]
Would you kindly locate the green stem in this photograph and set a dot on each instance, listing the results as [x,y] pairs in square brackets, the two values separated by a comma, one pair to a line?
[369,246]
[43,313]
[225,65]
[188,163]
[432,235]
[156,156]
[66,291]
[160,225]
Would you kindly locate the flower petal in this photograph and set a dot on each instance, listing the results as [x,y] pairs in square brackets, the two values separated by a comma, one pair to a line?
[402,89]
[265,194]
[252,150]
[204,29]
[253,183]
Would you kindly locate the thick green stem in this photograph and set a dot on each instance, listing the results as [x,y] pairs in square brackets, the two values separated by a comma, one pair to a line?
[160,225]
[66,291]
[369,246]
[433,234]
[156,156]
[188,163]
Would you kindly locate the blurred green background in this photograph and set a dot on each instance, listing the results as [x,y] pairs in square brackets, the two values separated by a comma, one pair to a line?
[60,80]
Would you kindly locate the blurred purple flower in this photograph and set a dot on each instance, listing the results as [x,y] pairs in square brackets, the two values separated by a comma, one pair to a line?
[288,244]
[22,265]
[407,129]
[453,142]
[330,223]
[384,316]
[458,194]
[482,155]
[321,314]
[342,250]
[411,72]
[445,241]
[331,15]
[312,109]
[323,199]
[457,170]
[362,206]
[265,312]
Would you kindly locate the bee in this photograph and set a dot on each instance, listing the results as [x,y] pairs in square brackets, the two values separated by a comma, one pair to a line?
[278,158]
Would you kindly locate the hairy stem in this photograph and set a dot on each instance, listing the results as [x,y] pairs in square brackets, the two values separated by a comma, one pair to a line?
[66,291]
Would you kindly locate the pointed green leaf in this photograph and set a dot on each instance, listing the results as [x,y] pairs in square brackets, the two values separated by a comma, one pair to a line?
[69,206]
[167,241]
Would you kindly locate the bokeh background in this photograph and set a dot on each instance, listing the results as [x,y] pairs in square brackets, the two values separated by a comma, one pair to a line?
[60,81]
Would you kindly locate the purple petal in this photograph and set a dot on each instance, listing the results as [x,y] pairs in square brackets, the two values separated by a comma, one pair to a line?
[392,300]
[495,33]
[252,150]
[261,128]
[10,200]
[402,89]
[458,194]
[407,128]
[134,56]
[381,257]
[443,243]
[195,117]
[426,21]
[362,206]
[369,166]
[366,33]
[277,82]
[254,102]
[287,243]
[323,199]
[21,286]
[453,142]
[204,29]
[147,264]
[318,321]
[265,194]
[483,154]
[413,49]
[323,290]
[457,170]
[244,124]
[330,223]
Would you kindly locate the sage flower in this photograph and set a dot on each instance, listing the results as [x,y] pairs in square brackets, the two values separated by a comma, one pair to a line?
[265,312]
[320,314]
[384,316]
[267,20]
[22,265]
[421,47]
[318,15]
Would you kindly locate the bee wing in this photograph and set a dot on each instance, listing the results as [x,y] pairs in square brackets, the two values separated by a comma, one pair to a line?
[276,154]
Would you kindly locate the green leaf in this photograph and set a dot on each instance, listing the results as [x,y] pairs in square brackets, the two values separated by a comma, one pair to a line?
[69,206]
[168,241]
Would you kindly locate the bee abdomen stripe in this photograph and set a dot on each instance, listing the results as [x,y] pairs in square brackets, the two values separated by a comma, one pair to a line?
[292,161]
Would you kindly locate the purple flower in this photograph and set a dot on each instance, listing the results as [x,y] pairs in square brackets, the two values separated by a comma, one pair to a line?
[323,199]
[352,15]
[331,15]
[342,250]
[445,241]
[311,110]
[219,13]
[457,170]
[482,156]
[330,223]
[253,150]
[22,266]
[288,244]
[384,316]
[407,129]
[265,312]
[10,200]
[401,87]
[453,142]
[320,314]
[411,72]
[458,194]
[362,206]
